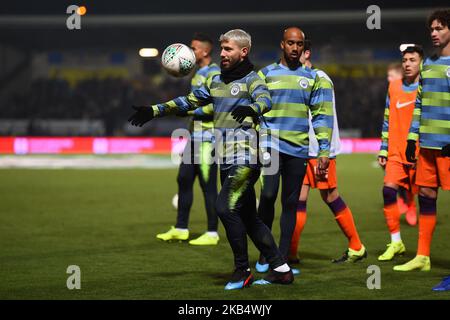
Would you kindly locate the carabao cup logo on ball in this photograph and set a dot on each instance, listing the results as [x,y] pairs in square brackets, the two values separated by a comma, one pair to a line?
[178,59]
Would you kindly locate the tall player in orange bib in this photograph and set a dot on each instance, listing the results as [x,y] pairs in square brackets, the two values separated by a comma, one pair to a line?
[430,126]
[399,172]
[405,198]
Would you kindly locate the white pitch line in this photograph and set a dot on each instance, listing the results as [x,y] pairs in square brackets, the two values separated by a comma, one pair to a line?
[85,162]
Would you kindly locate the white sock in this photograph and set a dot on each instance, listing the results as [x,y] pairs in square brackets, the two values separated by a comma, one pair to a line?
[395,237]
[283,268]
[213,234]
[179,229]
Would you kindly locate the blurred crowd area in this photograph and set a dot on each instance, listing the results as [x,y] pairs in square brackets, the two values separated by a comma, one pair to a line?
[360,103]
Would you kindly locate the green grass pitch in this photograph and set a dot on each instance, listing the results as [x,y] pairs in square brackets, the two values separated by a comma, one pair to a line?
[105,221]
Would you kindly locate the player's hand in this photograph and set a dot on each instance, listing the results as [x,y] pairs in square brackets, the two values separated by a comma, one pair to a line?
[320,177]
[382,161]
[411,151]
[142,115]
[241,112]
[446,151]
[322,166]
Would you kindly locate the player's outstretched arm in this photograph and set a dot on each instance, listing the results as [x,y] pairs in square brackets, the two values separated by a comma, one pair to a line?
[142,115]
[382,155]
[204,113]
[321,107]
[197,98]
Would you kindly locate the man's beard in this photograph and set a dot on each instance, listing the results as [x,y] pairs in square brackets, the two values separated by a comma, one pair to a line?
[229,66]
[294,63]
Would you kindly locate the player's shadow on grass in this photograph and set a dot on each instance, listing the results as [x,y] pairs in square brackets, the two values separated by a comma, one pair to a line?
[307,260]
[305,255]
[313,260]
[439,262]
[221,278]
[194,235]
[174,274]
[410,254]
[218,278]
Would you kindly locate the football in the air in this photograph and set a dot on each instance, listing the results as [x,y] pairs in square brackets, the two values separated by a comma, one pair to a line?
[178,59]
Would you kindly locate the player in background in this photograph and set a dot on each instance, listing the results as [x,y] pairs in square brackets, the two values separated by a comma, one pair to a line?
[205,169]
[399,172]
[394,72]
[239,99]
[431,126]
[295,92]
[326,183]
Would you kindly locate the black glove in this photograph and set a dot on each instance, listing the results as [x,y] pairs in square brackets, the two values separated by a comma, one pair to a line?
[204,117]
[141,116]
[411,151]
[446,151]
[182,113]
[241,112]
[384,159]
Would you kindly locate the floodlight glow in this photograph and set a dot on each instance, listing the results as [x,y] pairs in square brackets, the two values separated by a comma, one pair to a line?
[148,52]
[82,10]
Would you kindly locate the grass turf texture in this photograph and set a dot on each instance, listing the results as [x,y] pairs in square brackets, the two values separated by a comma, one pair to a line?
[105,221]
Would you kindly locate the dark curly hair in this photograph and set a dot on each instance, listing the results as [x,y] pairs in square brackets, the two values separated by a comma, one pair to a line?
[415,48]
[202,37]
[441,15]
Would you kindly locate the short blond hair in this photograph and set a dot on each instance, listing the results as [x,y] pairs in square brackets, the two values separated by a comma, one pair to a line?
[242,38]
